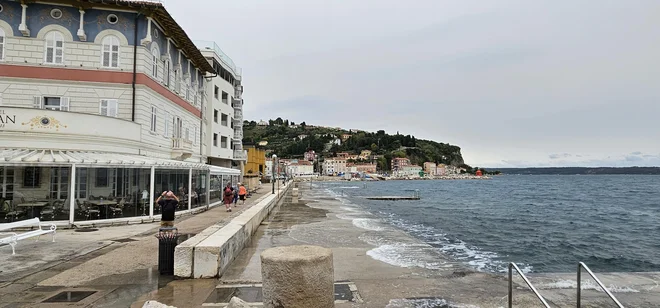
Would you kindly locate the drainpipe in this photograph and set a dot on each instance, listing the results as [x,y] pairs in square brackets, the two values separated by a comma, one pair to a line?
[135,43]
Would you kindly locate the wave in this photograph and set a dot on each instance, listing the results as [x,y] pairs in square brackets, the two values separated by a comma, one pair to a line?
[424,303]
[586,285]
[455,248]
[407,255]
[368,224]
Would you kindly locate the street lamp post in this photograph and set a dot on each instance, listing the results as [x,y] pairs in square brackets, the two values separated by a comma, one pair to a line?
[272,177]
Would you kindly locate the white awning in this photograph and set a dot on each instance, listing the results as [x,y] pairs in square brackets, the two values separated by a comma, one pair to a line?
[30,157]
[223,171]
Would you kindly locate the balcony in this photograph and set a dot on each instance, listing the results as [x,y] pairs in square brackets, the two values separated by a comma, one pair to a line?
[238,115]
[238,134]
[240,155]
[181,148]
[237,103]
[238,124]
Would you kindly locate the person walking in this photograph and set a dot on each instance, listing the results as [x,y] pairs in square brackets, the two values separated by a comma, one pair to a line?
[242,192]
[228,197]
[168,203]
[235,190]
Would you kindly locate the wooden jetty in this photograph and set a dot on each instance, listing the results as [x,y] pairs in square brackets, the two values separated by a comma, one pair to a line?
[394,198]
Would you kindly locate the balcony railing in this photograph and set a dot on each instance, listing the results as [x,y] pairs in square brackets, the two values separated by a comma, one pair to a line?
[238,134]
[240,155]
[208,45]
[237,103]
[181,148]
[238,115]
[238,124]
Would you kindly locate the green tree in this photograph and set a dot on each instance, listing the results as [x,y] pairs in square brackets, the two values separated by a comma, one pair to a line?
[374,147]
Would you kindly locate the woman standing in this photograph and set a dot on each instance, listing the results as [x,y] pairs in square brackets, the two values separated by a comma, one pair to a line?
[228,197]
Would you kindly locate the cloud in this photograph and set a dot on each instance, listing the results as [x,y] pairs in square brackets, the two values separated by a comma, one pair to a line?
[636,153]
[558,156]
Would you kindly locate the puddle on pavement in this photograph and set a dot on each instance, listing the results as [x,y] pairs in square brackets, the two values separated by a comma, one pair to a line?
[69,297]
[290,214]
[184,237]
[253,294]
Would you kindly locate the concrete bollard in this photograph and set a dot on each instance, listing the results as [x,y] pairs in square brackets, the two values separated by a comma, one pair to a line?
[294,195]
[298,277]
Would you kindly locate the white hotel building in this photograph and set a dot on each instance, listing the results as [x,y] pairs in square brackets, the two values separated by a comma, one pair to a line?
[102,107]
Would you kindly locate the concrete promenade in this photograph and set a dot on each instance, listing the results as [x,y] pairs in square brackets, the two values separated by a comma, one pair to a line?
[119,263]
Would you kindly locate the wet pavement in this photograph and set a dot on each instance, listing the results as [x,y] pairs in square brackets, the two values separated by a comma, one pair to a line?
[375,266]
[107,267]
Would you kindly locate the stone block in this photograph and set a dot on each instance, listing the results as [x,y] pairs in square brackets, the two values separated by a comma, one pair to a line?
[155,304]
[236,302]
[297,277]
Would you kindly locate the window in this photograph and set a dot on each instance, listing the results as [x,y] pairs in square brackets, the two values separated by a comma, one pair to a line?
[101,177]
[215,115]
[177,84]
[108,107]
[155,56]
[167,72]
[187,133]
[2,44]
[56,13]
[112,19]
[216,92]
[110,52]
[225,98]
[215,140]
[223,119]
[51,103]
[232,123]
[223,142]
[154,112]
[31,177]
[54,48]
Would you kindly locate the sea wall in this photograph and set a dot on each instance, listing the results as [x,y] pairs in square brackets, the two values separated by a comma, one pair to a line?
[209,253]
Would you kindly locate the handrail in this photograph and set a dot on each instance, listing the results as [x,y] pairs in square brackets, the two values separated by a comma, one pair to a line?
[579,289]
[511,267]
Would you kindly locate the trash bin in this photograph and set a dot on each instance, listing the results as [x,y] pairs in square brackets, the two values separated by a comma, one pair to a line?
[167,241]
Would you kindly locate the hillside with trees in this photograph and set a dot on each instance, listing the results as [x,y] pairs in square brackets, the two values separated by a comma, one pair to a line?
[292,140]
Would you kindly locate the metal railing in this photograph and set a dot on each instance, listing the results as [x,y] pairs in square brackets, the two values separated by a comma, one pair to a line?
[579,284]
[511,267]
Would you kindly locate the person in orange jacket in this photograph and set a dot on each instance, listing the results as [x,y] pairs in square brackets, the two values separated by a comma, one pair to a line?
[242,193]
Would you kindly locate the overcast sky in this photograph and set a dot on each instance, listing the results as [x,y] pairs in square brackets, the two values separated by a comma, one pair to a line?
[513,83]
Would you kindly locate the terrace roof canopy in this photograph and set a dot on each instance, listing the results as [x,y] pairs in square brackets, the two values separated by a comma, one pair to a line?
[47,157]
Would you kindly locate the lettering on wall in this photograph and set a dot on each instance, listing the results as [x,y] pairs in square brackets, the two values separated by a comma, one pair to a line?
[6,119]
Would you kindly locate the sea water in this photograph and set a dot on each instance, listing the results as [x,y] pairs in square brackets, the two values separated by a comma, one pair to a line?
[544,223]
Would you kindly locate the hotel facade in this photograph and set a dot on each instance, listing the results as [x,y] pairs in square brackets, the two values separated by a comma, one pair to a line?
[102,108]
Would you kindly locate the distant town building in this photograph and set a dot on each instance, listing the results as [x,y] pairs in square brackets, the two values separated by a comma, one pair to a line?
[302,136]
[365,154]
[345,137]
[430,168]
[310,155]
[409,170]
[300,168]
[399,162]
[333,166]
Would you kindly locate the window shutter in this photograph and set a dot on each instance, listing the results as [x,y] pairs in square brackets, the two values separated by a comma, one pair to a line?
[64,104]
[38,102]
[113,108]
[103,107]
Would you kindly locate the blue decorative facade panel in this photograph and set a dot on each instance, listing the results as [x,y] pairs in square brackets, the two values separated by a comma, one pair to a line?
[11,14]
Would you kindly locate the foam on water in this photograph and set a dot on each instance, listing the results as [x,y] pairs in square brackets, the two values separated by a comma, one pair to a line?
[425,303]
[368,224]
[586,285]
[407,255]
[455,248]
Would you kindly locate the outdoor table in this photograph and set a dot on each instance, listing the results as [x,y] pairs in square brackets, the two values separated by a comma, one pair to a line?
[33,205]
[105,203]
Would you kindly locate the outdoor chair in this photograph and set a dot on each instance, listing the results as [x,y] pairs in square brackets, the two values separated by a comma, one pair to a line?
[14,211]
[90,210]
[50,212]
[118,211]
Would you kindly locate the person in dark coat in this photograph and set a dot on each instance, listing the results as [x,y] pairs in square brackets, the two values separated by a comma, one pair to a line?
[228,197]
[168,203]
